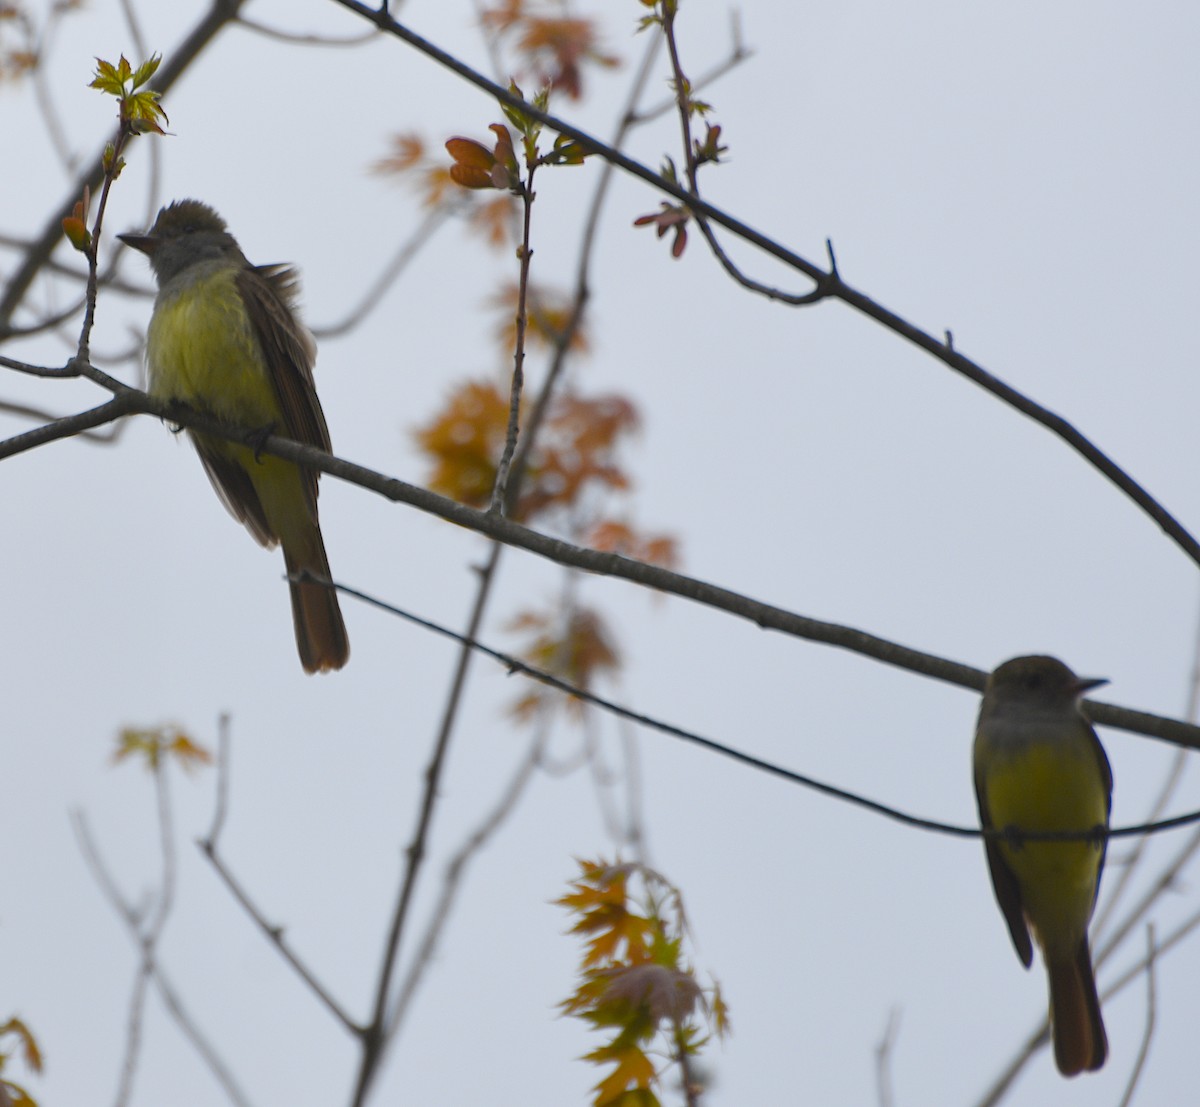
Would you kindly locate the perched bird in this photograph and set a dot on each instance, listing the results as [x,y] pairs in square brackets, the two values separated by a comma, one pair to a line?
[224,339]
[1039,767]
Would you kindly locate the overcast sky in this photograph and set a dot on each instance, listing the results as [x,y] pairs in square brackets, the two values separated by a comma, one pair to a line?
[1024,175]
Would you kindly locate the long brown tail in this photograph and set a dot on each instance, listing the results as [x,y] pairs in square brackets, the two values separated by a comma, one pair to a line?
[1079,1039]
[320,632]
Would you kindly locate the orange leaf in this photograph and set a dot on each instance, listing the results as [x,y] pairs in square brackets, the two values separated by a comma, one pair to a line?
[408,150]
[473,163]
[503,152]
[464,441]
[494,217]
[608,534]
[468,152]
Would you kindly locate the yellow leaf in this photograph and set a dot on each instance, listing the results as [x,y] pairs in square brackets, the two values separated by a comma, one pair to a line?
[633,1068]
[152,743]
[30,1051]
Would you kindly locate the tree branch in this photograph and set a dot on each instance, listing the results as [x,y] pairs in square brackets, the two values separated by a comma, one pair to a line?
[660,579]
[829,283]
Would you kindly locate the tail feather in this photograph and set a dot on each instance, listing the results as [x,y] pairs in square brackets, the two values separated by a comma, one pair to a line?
[320,632]
[1079,1039]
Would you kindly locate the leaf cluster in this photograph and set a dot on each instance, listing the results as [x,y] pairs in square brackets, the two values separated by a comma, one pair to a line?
[138,107]
[635,983]
[575,450]
[553,49]
[477,166]
[576,646]
[573,462]
[153,745]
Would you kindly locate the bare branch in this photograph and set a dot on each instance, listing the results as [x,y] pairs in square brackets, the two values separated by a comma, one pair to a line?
[452,880]
[274,933]
[297,38]
[375,1038]
[170,997]
[883,1059]
[1170,784]
[1139,1064]
[499,499]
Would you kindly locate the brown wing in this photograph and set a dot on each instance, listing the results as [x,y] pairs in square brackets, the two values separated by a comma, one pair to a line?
[1106,774]
[236,490]
[1004,883]
[270,292]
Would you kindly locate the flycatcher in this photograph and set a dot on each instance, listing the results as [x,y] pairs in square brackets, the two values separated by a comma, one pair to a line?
[1039,767]
[224,339]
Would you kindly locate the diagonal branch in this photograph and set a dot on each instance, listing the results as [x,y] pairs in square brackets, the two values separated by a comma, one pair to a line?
[210,847]
[829,283]
[511,533]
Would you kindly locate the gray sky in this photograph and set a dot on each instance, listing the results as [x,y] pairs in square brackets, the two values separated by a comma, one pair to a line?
[1025,176]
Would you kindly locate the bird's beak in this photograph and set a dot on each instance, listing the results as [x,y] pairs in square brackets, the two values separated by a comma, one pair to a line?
[1086,684]
[146,243]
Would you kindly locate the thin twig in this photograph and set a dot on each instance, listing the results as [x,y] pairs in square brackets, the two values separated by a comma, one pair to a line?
[300,38]
[491,42]
[376,1040]
[525,253]
[209,846]
[26,411]
[1165,881]
[738,54]
[883,1059]
[452,880]
[133,1035]
[224,755]
[683,102]
[1170,785]
[135,29]
[200,1043]
[1183,931]
[691,1086]
[635,824]
[1139,1064]
[170,997]
[274,934]
[44,99]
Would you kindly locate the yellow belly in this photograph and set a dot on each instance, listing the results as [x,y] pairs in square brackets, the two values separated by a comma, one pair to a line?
[1044,786]
[201,348]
